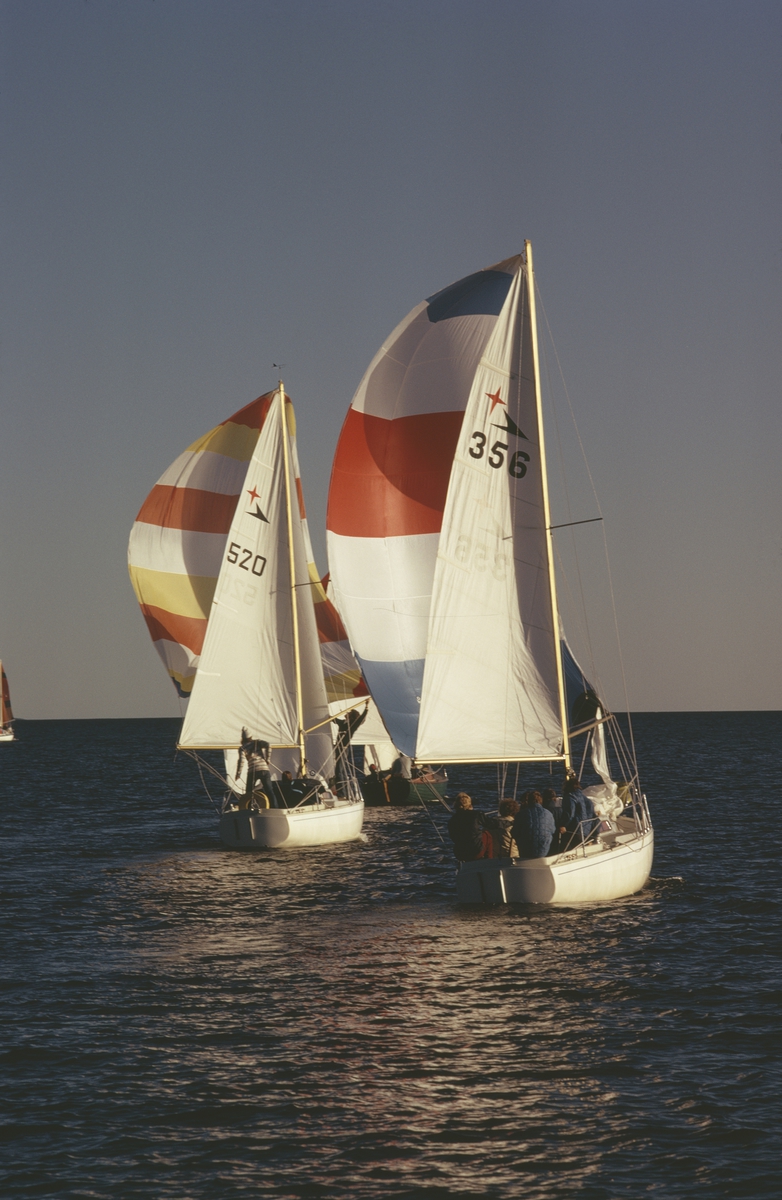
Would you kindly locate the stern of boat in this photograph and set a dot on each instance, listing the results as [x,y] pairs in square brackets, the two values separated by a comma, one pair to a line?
[310,825]
[604,870]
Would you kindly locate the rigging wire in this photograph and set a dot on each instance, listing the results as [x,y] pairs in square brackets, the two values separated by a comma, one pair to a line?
[431,818]
[218,809]
[605,539]
[579,608]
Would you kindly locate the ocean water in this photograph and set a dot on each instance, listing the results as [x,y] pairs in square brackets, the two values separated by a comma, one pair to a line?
[180,1020]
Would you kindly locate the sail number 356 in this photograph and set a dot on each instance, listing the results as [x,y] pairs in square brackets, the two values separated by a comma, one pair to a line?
[517,463]
[246,562]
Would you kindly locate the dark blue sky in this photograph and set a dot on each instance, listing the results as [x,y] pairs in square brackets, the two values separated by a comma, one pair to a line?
[193,191]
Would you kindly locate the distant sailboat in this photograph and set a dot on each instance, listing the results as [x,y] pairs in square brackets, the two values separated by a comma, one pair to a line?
[441,560]
[6,712]
[219,561]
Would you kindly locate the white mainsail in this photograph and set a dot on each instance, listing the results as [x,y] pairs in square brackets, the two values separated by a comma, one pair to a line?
[491,689]
[247,676]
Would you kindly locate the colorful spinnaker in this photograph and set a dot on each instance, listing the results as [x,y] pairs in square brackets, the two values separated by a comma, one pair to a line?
[178,539]
[438,530]
[177,545]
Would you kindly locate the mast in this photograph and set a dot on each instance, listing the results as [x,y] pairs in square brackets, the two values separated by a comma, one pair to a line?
[294,606]
[546,513]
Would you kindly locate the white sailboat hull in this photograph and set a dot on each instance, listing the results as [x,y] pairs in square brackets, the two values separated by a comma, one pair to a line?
[6,735]
[605,870]
[311,825]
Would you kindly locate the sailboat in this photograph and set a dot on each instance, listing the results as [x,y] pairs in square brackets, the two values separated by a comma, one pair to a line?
[440,547]
[6,712]
[219,559]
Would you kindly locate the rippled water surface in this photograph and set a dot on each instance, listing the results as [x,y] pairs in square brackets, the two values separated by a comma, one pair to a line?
[181,1020]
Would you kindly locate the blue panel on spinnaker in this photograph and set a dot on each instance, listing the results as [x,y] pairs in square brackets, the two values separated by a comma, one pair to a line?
[484,292]
[582,701]
[396,690]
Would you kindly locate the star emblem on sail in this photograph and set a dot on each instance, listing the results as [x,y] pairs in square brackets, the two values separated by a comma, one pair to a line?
[510,425]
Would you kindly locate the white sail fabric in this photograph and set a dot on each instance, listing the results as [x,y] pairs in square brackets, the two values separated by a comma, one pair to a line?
[382,754]
[605,796]
[599,754]
[490,686]
[246,677]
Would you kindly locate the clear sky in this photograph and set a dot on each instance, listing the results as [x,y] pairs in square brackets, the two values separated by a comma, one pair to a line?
[193,191]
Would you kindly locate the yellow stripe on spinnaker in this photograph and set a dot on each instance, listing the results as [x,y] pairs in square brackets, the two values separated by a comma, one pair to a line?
[319,594]
[341,687]
[185,681]
[184,595]
[234,441]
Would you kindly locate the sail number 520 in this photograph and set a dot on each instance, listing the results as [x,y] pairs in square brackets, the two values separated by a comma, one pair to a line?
[517,463]
[246,562]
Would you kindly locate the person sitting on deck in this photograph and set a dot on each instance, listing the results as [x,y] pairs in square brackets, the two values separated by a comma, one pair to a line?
[534,828]
[471,840]
[553,803]
[398,782]
[374,791]
[579,823]
[502,830]
[285,786]
[306,790]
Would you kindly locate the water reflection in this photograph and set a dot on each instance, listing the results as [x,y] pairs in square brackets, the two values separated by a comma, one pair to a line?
[329,1022]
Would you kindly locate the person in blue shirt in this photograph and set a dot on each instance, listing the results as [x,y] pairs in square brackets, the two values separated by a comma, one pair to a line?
[533,829]
[578,814]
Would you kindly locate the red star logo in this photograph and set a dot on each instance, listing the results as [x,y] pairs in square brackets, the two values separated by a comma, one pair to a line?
[495,400]
[253,494]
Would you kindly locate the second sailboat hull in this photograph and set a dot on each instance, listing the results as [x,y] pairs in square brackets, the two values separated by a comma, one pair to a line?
[593,873]
[311,825]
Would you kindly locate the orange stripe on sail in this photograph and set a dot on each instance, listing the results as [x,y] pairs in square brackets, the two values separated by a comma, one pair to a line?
[390,478]
[253,414]
[300,494]
[188,508]
[329,622]
[187,631]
